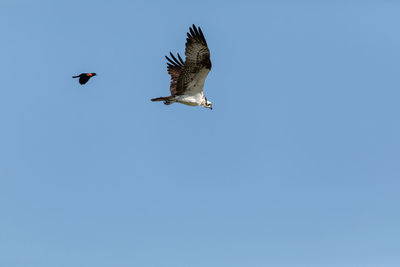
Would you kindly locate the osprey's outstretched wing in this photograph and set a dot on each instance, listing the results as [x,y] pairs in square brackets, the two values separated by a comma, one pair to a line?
[197,51]
[189,78]
[174,67]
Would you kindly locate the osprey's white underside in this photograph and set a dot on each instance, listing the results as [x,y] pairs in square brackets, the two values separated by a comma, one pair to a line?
[194,95]
[191,100]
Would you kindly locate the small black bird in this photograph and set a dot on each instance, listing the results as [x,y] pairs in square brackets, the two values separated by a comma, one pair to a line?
[84,77]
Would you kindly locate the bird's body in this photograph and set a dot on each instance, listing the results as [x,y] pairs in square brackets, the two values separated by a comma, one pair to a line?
[187,78]
[190,100]
[84,77]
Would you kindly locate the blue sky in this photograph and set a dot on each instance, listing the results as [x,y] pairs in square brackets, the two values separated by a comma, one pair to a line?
[296,165]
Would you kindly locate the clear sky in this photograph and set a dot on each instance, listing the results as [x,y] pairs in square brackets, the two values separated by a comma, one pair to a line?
[298,164]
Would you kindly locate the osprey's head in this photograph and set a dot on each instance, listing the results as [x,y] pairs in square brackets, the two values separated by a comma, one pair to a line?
[207,104]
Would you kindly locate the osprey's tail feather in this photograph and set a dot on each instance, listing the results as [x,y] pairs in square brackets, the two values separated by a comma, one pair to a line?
[167,99]
[161,99]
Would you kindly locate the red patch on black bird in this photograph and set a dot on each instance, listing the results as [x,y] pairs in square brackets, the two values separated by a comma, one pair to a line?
[84,77]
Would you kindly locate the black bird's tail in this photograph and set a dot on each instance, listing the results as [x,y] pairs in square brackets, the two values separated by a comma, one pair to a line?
[75,76]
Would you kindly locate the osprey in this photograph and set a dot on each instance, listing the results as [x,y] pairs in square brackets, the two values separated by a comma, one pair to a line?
[187,78]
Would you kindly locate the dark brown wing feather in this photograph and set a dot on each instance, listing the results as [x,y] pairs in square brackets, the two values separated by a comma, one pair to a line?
[197,62]
[197,59]
[174,67]
[197,51]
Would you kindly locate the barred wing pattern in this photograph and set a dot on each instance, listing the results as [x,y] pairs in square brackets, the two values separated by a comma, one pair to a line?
[188,77]
[197,51]
[174,68]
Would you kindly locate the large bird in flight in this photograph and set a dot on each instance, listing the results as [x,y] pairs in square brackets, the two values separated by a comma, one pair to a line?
[187,78]
[84,77]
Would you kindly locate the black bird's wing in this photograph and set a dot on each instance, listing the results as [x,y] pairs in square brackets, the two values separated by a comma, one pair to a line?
[84,79]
